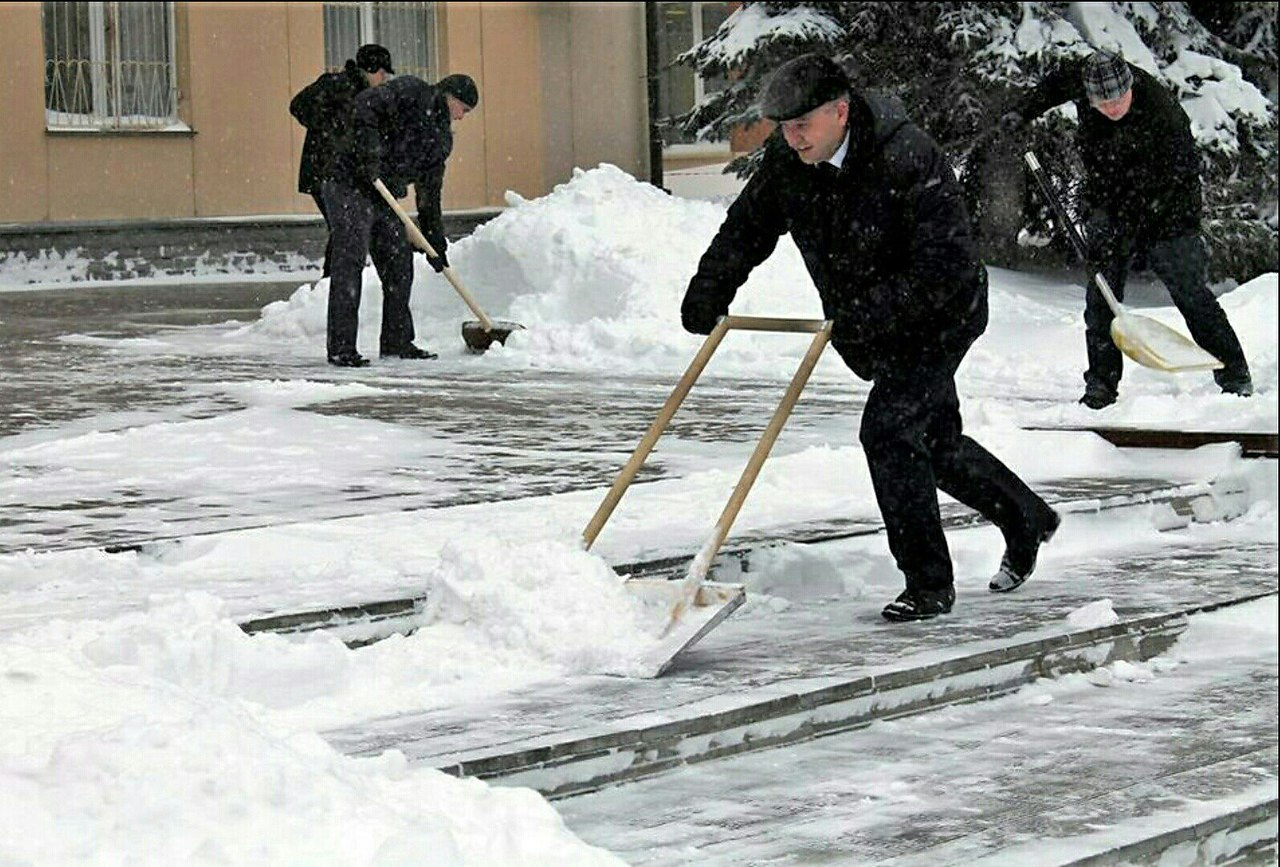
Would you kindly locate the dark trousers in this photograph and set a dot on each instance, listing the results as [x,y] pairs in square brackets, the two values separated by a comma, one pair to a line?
[362,224]
[328,243]
[1182,265]
[911,433]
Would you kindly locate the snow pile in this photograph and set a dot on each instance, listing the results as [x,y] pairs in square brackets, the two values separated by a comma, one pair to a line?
[595,270]
[141,740]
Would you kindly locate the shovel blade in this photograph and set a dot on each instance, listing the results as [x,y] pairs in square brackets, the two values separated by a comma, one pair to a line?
[1154,344]
[713,603]
[478,339]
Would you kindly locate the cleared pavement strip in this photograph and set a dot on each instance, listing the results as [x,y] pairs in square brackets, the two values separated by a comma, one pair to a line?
[575,765]
[1252,444]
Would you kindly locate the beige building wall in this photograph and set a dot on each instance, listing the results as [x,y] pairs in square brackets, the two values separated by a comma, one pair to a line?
[561,85]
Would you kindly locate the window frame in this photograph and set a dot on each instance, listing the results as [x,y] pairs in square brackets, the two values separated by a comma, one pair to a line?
[368,23]
[105,64]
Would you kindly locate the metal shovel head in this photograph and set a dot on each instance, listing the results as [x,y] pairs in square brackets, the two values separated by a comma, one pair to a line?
[478,339]
[713,603]
[1154,344]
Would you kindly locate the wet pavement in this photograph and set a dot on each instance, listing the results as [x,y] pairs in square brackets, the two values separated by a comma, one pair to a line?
[494,435]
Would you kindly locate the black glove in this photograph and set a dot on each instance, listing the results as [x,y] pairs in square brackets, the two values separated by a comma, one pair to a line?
[438,263]
[698,316]
[1012,123]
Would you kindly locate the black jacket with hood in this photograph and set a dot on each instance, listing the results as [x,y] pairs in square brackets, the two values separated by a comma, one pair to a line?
[887,240]
[404,135]
[1142,171]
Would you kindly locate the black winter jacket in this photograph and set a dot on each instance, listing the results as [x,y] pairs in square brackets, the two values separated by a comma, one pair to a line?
[1143,170]
[887,241]
[324,108]
[404,135]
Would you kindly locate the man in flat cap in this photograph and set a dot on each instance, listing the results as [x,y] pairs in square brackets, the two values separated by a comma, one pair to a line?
[324,108]
[878,217]
[1141,194]
[403,134]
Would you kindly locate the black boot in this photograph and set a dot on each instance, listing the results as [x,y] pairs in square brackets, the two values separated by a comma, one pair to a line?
[1097,396]
[408,351]
[919,604]
[1019,559]
[348,359]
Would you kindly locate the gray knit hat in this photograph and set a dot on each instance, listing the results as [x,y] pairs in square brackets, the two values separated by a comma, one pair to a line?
[800,85]
[1106,77]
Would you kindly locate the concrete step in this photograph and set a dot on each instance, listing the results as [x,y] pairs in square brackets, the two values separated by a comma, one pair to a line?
[566,764]
[1175,765]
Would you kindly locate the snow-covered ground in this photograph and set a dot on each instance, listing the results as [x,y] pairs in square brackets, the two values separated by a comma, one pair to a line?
[140,725]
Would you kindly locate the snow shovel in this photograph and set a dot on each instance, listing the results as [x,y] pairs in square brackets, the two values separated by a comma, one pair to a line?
[480,335]
[1147,341]
[693,606]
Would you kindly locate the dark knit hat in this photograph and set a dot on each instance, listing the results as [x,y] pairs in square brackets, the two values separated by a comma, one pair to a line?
[371,58]
[800,85]
[461,86]
[1106,77]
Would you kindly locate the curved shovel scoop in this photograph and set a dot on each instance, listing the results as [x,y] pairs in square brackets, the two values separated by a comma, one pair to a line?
[1154,344]
[478,337]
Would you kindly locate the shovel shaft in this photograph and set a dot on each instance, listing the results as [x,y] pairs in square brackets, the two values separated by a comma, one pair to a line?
[421,242]
[655,431]
[1072,230]
[697,572]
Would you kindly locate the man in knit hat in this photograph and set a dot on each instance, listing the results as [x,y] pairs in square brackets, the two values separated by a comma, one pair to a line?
[1141,194]
[877,214]
[403,134]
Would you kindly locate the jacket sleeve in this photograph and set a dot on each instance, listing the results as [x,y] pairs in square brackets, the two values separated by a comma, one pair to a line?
[941,265]
[374,109]
[1062,84]
[427,190]
[746,238]
[307,107]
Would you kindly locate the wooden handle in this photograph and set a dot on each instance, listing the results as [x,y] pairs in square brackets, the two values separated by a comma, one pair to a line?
[702,562]
[420,240]
[655,431]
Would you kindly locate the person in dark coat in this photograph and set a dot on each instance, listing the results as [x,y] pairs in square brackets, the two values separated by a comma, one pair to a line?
[402,134]
[1141,194]
[878,217]
[324,109]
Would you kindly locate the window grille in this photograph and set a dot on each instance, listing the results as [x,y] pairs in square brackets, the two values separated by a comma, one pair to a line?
[680,87]
[109,65]
[407,30]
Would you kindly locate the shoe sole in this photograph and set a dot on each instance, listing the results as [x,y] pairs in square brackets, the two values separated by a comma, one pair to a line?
[895,617]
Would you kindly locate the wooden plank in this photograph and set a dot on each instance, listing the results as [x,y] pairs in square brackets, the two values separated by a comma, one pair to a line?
[1252,445]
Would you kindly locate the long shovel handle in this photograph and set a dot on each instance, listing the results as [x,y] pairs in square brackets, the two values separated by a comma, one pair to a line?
[1073,231]
[702,563]
[659,425]
[420,240]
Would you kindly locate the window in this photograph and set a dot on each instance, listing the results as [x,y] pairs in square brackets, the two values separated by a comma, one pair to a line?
[407,30]
[109,66]
[682,26]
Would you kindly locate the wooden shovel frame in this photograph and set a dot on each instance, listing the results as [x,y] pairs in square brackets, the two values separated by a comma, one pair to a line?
[707,603]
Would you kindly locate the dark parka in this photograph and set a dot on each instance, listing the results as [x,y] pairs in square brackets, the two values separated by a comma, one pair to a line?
[404,135]
[324,108]
[1143,170]
[887,241]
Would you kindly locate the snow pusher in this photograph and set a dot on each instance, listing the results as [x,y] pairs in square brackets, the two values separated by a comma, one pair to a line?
[692,607]
[1147,341]
[478,335]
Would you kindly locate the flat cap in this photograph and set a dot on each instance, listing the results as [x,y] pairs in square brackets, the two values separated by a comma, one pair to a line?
[800,85]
